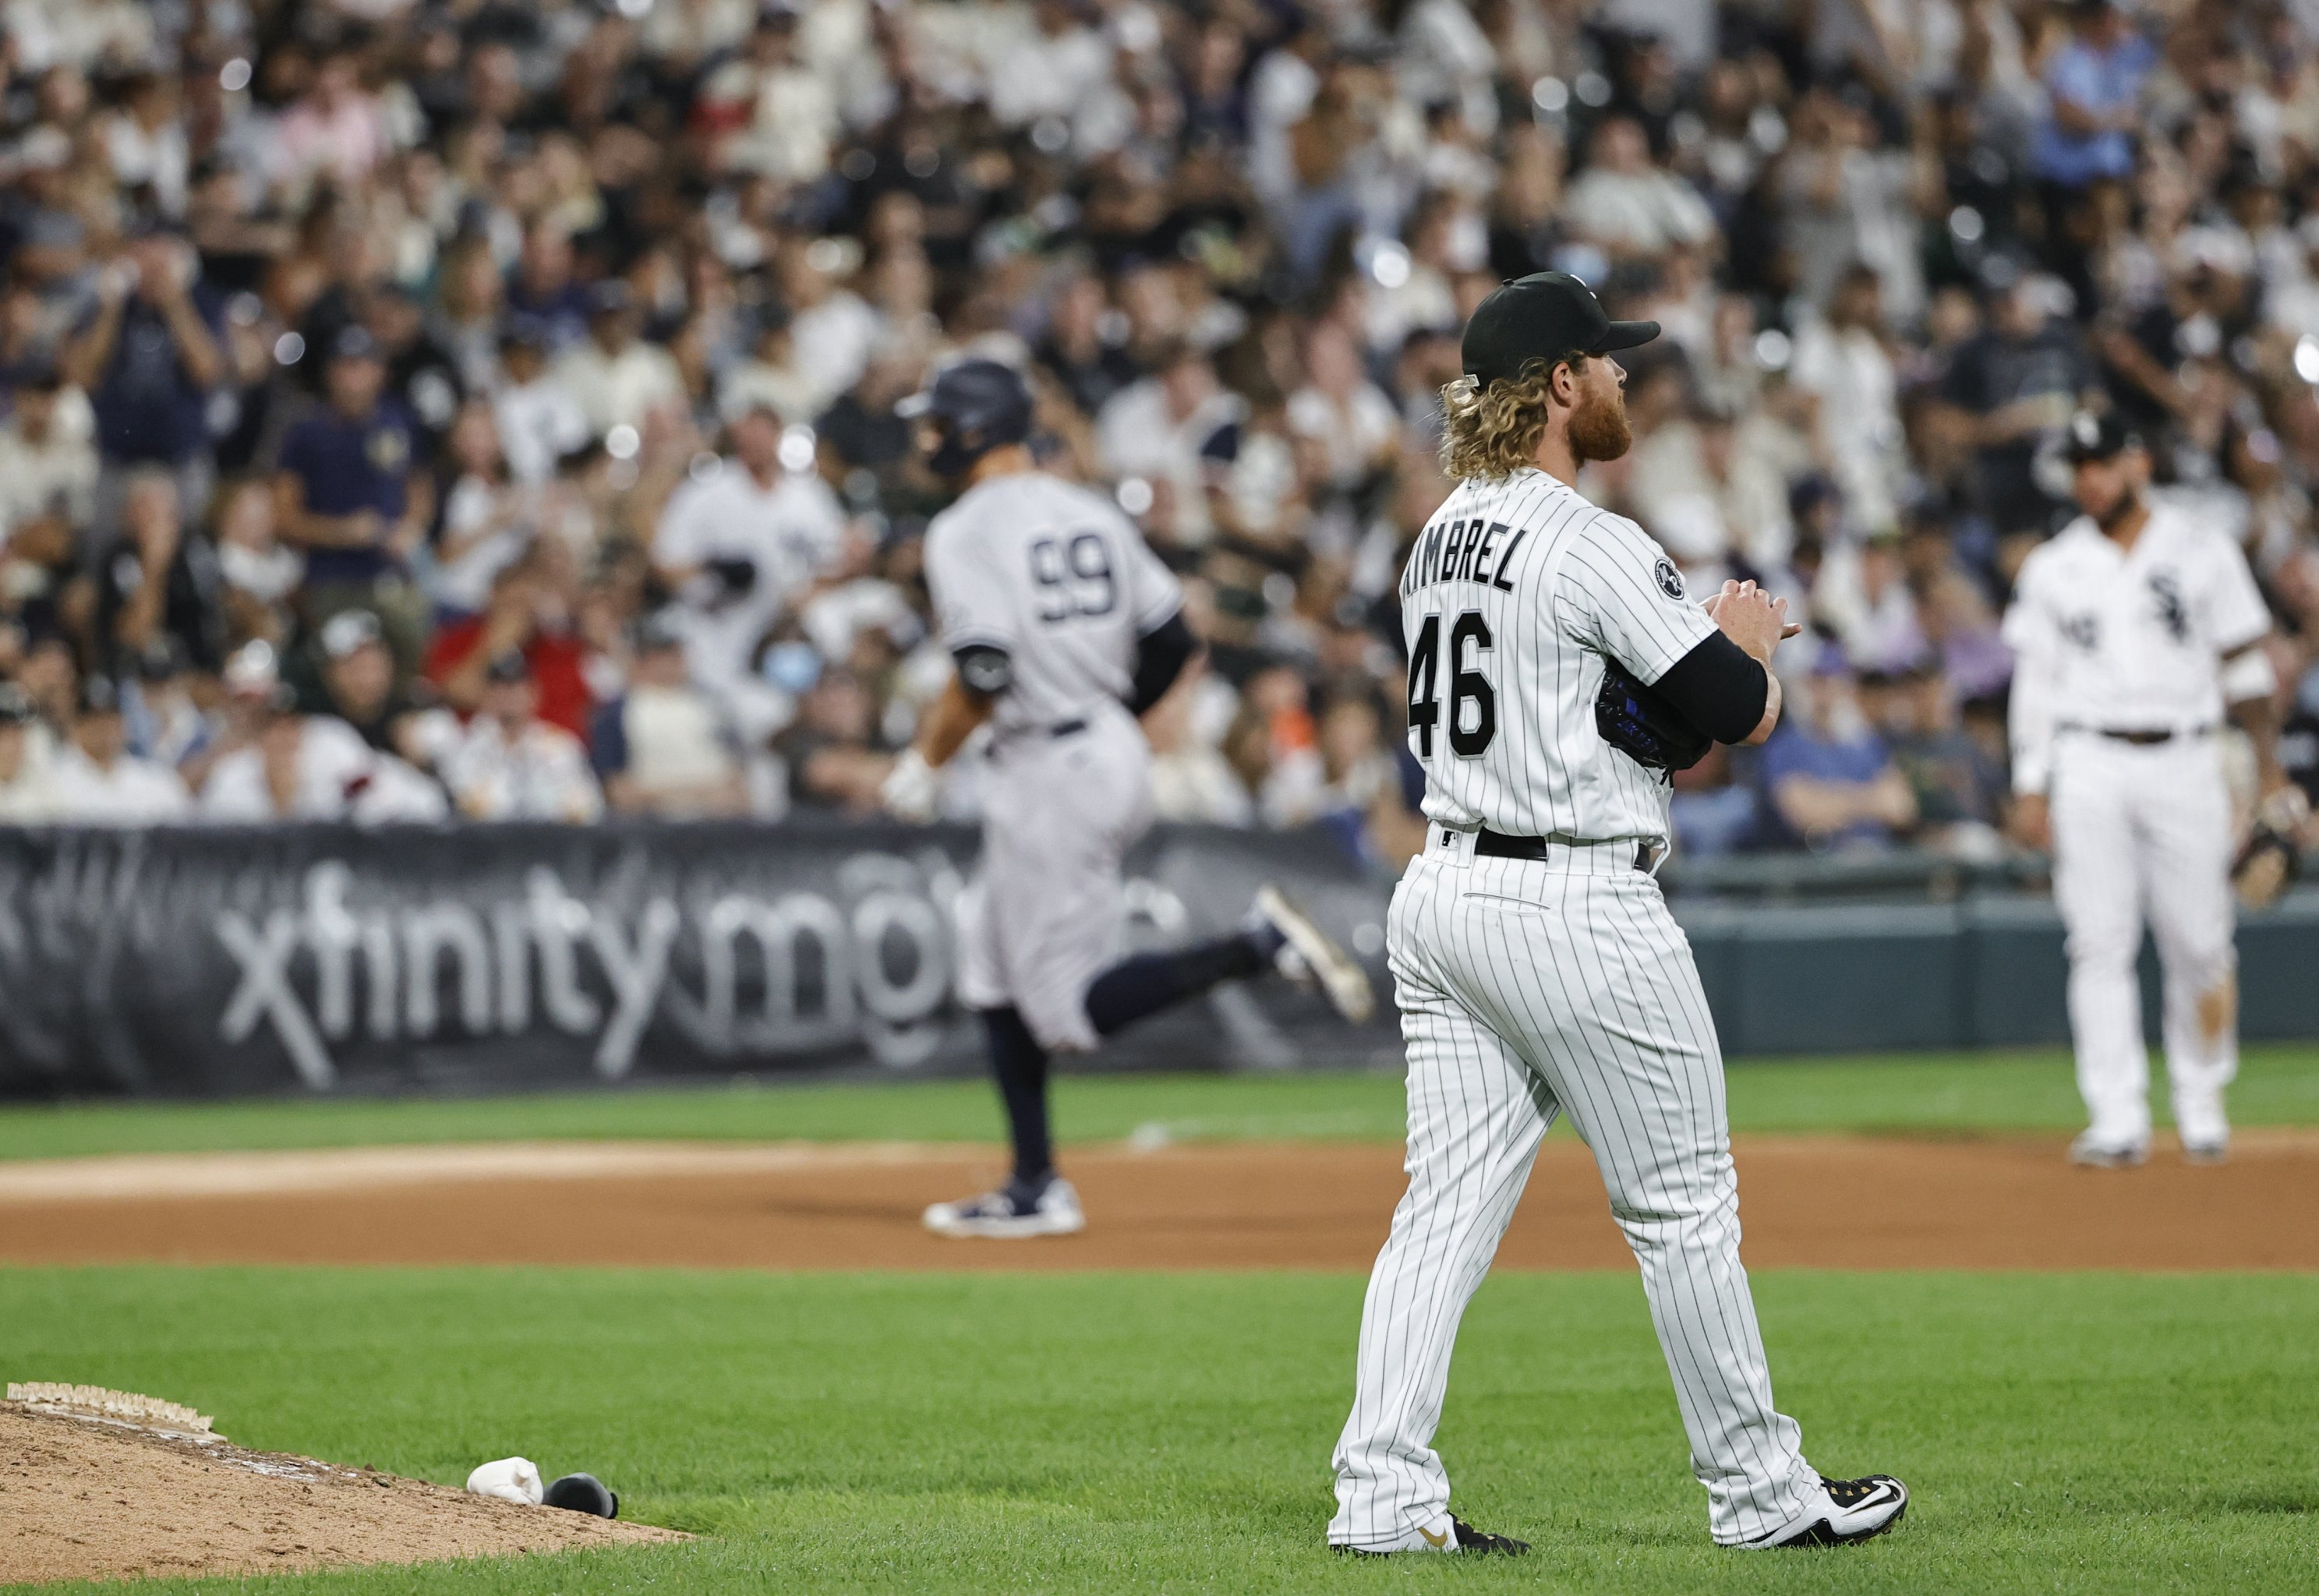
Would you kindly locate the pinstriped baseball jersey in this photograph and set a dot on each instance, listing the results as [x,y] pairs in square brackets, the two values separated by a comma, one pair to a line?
[1532,987]
[1056,577]
[1516,592]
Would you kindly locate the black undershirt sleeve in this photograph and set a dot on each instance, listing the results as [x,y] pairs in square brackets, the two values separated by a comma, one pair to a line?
[1720,687]
[1160,655]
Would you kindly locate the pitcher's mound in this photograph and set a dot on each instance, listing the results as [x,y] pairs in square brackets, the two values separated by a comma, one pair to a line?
[104,1496]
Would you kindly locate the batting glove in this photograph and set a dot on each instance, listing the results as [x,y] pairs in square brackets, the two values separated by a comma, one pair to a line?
[912,789]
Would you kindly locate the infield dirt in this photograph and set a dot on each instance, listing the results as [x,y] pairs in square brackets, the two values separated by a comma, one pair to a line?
[81,1500]
[1807,1201]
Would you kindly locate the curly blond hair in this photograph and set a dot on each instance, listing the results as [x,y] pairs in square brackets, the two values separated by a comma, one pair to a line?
[1493,432]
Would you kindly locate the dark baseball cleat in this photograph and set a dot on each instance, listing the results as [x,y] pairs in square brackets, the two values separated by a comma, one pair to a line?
[1460,1537]
[1840,1513]
[2090,1152]
[584,1493]
[1012,1214]
[1311,955]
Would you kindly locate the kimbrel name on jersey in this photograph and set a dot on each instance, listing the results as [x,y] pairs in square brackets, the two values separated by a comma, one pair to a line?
[1463,550]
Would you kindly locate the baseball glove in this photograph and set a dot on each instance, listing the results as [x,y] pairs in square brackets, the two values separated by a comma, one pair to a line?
[2272,854]
[1649,729]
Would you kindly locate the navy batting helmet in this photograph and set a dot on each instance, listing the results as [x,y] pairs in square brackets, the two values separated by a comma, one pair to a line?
[976,406]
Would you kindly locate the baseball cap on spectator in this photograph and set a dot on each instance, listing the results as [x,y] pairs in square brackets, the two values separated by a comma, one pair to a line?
[2102,437]
[349,630]
[160,660]
[525,332]
[657,630]
[1546,316]
[1831,660]
[252,672]
[99,695]
[354,343]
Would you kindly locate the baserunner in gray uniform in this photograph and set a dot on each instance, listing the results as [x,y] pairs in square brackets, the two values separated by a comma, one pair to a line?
[1063,627]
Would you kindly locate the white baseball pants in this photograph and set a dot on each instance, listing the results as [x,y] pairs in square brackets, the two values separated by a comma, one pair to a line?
[1528,989]
[2146,832]
[1044,915]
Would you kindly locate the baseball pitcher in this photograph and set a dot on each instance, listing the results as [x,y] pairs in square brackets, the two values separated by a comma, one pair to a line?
[1063,626]
[1557,672]
[2132,631]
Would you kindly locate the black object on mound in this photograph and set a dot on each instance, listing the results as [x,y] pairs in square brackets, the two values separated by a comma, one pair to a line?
[584,1493]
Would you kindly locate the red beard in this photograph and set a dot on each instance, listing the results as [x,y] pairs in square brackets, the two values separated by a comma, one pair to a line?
[1599,429]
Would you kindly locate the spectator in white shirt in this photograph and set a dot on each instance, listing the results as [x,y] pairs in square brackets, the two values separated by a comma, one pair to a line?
[99,782]
[313,767]
[1347,417]
[1628,205]
[1157,429]
[47,463]
[743,545]
[1841,357]
[664,748]
[540,420]
[28,786]
[615,377]
[831,328]
[509,764]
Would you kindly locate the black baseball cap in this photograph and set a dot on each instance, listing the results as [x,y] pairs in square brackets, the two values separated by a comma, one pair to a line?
[1546,316]
[2098,436]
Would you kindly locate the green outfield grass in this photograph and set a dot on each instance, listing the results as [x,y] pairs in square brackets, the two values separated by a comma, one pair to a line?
[1935,1093]
[1113,1432]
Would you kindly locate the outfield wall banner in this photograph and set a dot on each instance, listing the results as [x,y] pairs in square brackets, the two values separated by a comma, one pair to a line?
[193,962]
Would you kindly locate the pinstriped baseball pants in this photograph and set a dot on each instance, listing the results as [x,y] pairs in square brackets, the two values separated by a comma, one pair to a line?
[1528,989]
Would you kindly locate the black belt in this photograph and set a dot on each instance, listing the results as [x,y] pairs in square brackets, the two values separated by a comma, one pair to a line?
[1497,845]
[1067,728]
[2139,739]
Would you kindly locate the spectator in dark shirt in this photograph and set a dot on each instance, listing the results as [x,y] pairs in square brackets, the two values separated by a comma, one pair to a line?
[2011,387]
[835,765]
[1958,791]
[349,493]
[1831,780]
[356,681]
[148,356]
[162,584]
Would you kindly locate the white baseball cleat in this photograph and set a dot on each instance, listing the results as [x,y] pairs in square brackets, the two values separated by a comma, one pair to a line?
[1312,954]
[2204,1130]
[1841,1511]
[1007,1215]
[2095,1152]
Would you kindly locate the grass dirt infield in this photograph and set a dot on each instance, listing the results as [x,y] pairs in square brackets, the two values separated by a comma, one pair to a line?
[1113,1432]
[2106,1401]
[1936,1093]
[1981,1202]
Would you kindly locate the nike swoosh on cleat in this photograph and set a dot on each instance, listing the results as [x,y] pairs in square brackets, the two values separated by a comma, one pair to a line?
[1436,1541]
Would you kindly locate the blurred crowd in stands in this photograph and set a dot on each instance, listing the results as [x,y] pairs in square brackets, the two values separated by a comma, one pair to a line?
[486,408]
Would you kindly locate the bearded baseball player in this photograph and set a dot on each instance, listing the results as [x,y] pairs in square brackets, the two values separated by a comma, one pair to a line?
[2134,631]
[1063,627]
[1557,672]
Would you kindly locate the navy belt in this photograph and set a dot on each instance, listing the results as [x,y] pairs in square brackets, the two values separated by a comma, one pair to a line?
[1068,728]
